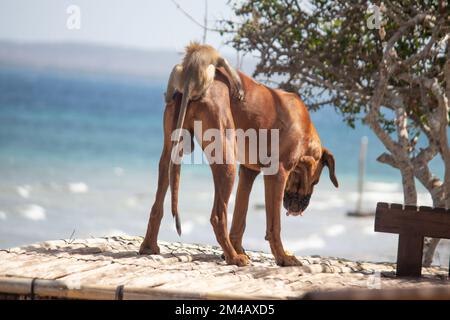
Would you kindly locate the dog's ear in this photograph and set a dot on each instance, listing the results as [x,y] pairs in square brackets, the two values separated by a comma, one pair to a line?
[328,160]
[304,166]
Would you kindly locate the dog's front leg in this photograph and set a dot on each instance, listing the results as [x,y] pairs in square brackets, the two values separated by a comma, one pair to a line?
[223,175]
[274,190]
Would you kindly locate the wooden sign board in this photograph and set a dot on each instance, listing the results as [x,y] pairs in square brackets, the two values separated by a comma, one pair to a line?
[412,224]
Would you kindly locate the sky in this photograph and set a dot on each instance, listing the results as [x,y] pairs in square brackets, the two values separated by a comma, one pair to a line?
[146,24]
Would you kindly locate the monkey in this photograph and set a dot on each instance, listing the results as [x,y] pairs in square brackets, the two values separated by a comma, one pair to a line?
[192,78]
[199,65]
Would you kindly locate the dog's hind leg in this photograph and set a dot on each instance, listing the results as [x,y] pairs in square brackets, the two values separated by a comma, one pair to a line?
[150,245]
[224,175]
[246,179]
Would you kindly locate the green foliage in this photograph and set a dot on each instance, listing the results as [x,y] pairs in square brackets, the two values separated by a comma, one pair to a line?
[333,51]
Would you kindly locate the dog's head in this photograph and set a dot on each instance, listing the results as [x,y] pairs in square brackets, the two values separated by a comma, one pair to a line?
[301,181]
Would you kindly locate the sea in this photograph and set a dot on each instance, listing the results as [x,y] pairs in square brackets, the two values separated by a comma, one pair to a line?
[79,158]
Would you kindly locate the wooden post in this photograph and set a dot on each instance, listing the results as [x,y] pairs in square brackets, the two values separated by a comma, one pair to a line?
[360,187]
[362,167]
[409,255]
[412,224]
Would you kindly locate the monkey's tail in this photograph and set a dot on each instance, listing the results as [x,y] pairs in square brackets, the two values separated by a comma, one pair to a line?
[174,174]
[174,168]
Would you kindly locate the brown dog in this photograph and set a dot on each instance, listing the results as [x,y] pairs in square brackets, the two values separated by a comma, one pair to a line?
[301,160]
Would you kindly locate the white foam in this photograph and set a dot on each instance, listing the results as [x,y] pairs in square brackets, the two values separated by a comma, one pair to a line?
[118,171]
[368,231]
[335,230]
[78,187]
[201,220]
[33,212]
[114,232]
[331,202]
[131,202]
[3,215]
[24,191]
[313,241]
[204,195]
[187,227]
[372,197]
[382,186]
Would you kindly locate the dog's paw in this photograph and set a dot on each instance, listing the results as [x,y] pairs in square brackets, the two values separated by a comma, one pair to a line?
[239,260]
[241,250]
[288,261]
[144,249]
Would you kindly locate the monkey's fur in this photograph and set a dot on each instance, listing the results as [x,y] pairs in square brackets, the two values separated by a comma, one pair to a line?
[192,78]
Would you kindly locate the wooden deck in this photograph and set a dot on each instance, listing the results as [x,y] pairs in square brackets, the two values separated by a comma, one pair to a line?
[111,268]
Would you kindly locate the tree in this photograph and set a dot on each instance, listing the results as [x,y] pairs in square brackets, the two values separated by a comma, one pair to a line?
[392,72]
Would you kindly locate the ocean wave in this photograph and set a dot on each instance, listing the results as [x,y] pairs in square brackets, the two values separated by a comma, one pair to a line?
[314,241]
[201,220]
[332,201]
[334,230]
[33,212]
[368,230]
[114,232]
[383,186]
[78,187]
[188,227]
[24,191]
[202,195]
[423,199]
[131,202]
[118,171]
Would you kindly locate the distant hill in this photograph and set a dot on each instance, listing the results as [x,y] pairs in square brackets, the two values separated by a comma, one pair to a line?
[88,58]
[82,57]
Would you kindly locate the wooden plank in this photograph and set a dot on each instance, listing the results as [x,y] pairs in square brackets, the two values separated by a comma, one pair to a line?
[56,288]
[383,205]
[424,293]
[51,269]
[20,286]
[411,208]
[396,206]
[165,294]
[101,276]
[17,262]
[432,224]
[409,256]
[59,289]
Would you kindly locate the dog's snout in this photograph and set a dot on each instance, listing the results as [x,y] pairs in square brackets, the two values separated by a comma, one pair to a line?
[293,202]
[304,202]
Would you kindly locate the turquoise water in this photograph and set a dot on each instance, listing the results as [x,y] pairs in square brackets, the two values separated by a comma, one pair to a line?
[79,153]
[51,120]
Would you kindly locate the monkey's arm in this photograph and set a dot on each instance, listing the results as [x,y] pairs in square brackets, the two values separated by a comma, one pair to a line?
[234,75]
[174,83]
